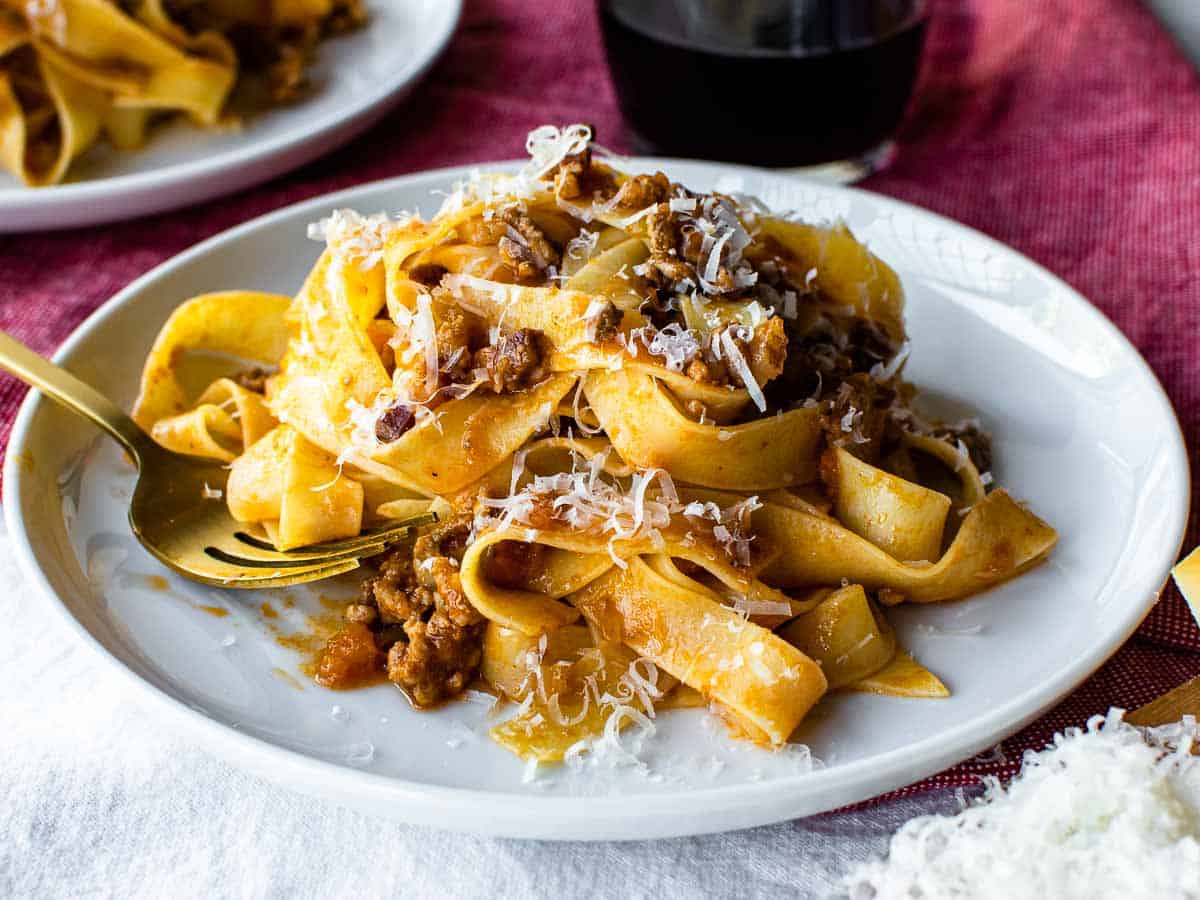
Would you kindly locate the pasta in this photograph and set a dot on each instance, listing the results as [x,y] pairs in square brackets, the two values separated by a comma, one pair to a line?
[666,434]
[72,71]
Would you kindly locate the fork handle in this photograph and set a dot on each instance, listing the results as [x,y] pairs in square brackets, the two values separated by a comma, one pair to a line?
[60,385]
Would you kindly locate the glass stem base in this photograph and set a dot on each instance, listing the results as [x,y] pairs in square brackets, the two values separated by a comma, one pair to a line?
[847,171]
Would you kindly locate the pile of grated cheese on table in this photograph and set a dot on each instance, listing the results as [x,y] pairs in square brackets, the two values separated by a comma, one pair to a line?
[1110,811]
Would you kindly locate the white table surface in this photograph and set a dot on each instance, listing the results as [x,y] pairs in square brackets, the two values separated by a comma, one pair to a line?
[98,800]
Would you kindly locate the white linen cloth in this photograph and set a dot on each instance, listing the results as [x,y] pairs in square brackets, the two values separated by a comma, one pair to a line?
[98,800]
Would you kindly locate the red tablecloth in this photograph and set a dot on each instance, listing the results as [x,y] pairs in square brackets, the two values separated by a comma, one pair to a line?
[1069,129]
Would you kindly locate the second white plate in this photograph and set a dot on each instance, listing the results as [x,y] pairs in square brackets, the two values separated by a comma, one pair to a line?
[356,79]
[1082,431]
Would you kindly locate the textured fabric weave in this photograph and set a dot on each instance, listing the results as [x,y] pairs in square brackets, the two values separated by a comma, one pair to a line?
[1069,129]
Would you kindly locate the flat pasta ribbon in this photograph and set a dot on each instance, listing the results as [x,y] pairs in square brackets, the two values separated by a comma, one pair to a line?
[856,647]
[245,325]
[647,429]
[998,540]
[590,554]
[295,489]
[766,683]
[226,419]
[904,519]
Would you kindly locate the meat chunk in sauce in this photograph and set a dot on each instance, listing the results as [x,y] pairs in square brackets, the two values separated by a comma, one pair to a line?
[679,250]
[857,415]
[605,324]
[571,175]
[394,422]
[351,658]
[525,246]
[457,333]
[640,191]
[516,362]
[765,354]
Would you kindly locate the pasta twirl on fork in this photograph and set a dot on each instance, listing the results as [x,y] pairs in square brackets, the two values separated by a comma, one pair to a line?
[666,433]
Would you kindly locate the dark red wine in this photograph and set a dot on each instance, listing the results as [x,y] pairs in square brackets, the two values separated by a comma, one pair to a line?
[768,83]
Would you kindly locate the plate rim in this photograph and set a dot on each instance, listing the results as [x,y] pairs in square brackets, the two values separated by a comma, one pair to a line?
[304,141]
[523,814]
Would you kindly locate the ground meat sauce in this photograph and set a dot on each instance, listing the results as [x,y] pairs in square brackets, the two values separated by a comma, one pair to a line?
[639,191]
[868,418]
[977,441]
[428,274]
[575,178]
[516,362]
[422,630]
[525,246]
[530,253]
[458,334]
[606,323]
[857,417]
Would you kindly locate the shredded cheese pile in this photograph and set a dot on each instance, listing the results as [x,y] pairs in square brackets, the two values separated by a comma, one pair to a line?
[675,344]
[1109,811]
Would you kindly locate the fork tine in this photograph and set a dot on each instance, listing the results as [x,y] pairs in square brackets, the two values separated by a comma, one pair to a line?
[231,575]
[280,561]
[318,552]
[290,576]
[391,534]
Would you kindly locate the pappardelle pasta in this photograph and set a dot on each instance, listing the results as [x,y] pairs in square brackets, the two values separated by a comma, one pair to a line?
[665,432]
[72,71]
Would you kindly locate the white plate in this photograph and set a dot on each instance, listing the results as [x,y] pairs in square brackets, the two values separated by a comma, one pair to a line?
[357,78]
[1083,431]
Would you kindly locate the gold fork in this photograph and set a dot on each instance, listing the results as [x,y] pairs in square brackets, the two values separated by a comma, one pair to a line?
[175,512]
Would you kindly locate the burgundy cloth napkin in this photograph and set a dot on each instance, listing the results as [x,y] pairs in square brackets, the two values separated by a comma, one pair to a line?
[1069,129]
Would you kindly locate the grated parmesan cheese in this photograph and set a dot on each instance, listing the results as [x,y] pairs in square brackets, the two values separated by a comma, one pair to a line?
[423,334]
[353,237]
[582,246]
[886,371]
[588,502]
[548,146]
[676,344]
[1108,811]
[741,367]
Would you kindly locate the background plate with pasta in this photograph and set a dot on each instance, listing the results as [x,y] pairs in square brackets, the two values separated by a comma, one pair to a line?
[355,78]
[1082,431]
